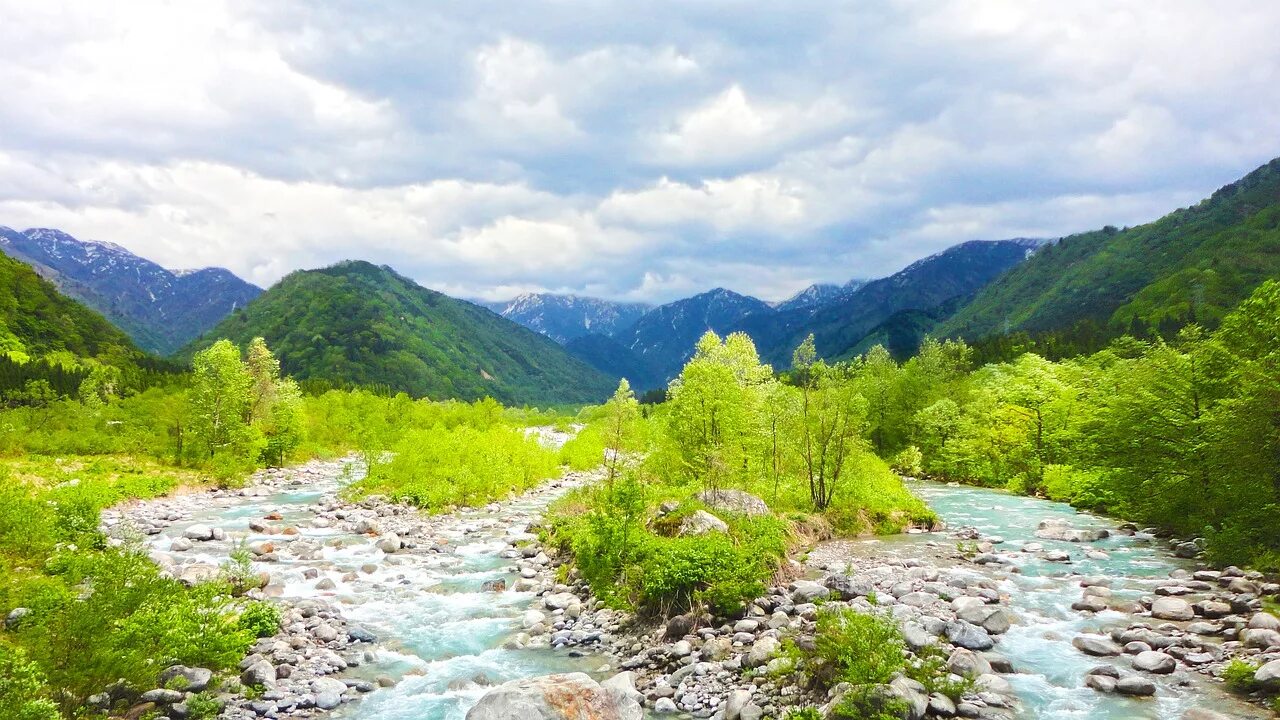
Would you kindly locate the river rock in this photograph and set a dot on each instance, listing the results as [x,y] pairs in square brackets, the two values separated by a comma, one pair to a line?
[807,591]
[1153,661]
[1203,714]
[735,501]
[180,545]
[1264,621]
[968,636]
[845,587]
[572,696]
[161,696]
[1101,683]
[1096,645]
[1186,550]
[194,679]
[259,673]
[198,532]
[1260,638]
[1135,685]
[967,663]
[762,650]
[1172,608]
[390,544]
[701,522]
[1268,676]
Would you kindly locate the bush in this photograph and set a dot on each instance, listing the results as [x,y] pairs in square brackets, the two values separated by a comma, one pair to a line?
[260,618]
[1238,674]
[908,462]
[22,689]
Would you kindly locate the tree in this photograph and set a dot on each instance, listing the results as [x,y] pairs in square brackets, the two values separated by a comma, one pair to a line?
[832,417]
[264,370]
[621,412]
[283,425]
[877,379]
[221,399]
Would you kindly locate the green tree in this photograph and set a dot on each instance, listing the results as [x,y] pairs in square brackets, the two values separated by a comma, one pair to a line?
[221,400]
[621,412]
[831,421]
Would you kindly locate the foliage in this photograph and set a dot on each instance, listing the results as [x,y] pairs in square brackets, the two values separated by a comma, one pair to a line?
[23,694]
[440,467]
[1239,674]
[260,619]
[359,324]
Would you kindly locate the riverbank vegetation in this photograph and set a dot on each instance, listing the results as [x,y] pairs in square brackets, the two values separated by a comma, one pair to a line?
[704,494]
[1181,434]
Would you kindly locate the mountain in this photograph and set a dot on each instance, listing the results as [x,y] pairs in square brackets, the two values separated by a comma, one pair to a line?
[664,337]
[161,310]
[840,325]
[565,317]
[613,358]
[363,324]
[1193,264]
[37,321]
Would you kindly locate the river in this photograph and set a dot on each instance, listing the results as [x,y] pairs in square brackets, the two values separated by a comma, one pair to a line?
[444,641]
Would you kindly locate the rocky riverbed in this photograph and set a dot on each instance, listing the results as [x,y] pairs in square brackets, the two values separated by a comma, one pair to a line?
[389,614]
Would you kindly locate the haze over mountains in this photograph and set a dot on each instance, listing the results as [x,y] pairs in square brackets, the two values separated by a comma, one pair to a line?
[357,323]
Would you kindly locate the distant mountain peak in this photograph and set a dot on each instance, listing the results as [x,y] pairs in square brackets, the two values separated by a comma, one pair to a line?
[566,317]
[159,308]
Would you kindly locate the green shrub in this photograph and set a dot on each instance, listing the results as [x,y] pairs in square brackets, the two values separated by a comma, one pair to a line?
[1238,674]
[23,694]
[203,706]
[260,618]
[805,713]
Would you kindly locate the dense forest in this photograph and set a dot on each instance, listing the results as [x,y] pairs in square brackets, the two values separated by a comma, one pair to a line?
[365,325]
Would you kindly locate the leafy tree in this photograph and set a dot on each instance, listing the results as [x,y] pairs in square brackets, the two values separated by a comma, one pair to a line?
[221,402]
[832,416]
[621,412]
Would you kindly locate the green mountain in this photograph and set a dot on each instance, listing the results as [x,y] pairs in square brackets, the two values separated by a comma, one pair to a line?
[47,336]
[362,324]
[37,321]
[1191,265]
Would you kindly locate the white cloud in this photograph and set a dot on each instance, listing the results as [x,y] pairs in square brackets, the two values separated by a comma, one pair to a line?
[604,150]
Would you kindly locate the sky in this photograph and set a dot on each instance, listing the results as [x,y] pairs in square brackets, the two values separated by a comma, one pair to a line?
[631,151]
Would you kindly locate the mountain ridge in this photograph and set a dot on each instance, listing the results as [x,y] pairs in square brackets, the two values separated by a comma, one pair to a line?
[160,309]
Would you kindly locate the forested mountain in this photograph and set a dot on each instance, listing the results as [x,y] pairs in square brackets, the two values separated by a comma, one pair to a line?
[363,324]
[51,340]
[926,285]
[613,358]
[665,337]
[565,317]
[1193,264]
[161,310]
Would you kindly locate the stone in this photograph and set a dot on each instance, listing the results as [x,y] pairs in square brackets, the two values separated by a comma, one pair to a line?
[561,601]
[495,586]
[14,618]
[1096,645]
[664,706]
[1263,621]
[390,544]
[328,685]
[198,532]
[1186,550]
[328,700]
[1172,608]
[968,636]
[701,522]
[679,626]
[1135,685]
[735,501]
[1101,683]
[807,591]
[1203,714]
[1260,638]
[738,699]
[260,673]
[845,587]
[1154,661]
[762,650]
[180,545]
[967,663]
[193,679]
[161,696]
[1268,676]
[571,696]
[624,685]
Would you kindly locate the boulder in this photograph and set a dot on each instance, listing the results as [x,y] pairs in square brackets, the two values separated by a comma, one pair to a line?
[198,532]
[807,591]
[1268,676]
[967,663]
[1096,645]
[968,636]
[161,696]
[1264,621]
[1203,714]
[735,501]
[1172,608]
[1135,685]
[762,650]
[845,587]
[701,522]
[194,679]
[259,674]
[1153,661]
[573,696]
[1260,638]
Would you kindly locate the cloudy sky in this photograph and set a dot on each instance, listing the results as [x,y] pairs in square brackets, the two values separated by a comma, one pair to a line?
[640,151]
